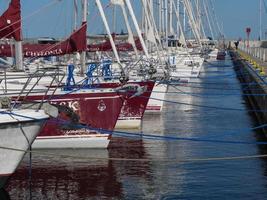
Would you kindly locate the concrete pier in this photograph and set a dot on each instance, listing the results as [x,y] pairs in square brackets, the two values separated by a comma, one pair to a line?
[252,74]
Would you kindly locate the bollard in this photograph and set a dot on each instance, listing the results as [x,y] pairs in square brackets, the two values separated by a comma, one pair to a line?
[264,55]
[261,54]
[262,71]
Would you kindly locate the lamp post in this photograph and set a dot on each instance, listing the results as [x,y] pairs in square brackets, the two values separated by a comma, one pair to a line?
[248,31]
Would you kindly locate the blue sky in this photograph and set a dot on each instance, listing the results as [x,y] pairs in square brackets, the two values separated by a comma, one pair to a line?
[236,15]
[56,20]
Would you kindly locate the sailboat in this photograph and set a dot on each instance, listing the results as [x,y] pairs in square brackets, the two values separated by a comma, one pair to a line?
[137,63]
[18,126]
[91,114]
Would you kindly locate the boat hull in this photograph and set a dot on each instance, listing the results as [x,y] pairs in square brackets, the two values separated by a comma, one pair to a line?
[130,123]
[157,98]
[82,117]
[133,109]
[17,134]
[92,141]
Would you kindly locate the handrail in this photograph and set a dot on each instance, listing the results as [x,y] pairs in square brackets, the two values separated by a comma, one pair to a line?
[39,74]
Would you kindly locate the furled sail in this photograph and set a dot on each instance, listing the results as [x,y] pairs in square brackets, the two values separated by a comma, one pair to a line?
[75,43]
[10,21]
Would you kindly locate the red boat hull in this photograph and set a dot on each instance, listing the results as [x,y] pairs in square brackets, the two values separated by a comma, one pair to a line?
[133,107]
[95,110]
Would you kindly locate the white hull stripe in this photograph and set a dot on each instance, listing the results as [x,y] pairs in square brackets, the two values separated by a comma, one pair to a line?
[73,136]
[87,98]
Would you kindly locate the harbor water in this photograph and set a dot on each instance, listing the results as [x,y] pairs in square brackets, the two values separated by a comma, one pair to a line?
[199,156]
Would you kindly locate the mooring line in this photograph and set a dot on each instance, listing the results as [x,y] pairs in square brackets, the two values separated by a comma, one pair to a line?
[156,160]
[205,106]
[164,138]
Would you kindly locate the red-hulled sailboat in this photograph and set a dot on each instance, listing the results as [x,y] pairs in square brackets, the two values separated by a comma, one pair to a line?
[97,108]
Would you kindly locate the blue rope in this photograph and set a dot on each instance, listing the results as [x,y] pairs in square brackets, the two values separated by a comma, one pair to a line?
[210,94]
[208,107]
[150,136]
[170,138]
[204,87]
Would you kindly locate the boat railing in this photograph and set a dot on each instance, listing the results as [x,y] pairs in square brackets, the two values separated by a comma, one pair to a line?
[42,81]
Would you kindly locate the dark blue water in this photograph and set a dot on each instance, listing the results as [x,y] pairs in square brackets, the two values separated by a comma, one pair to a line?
[163,169]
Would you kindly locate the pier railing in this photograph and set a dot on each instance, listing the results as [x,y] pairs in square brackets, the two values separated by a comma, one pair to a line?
[255,49]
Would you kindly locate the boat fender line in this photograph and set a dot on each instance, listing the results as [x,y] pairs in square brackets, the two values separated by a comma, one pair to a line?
[130,87]
[50,110]
[74,118]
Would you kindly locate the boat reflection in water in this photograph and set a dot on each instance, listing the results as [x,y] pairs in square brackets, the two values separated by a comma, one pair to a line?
[78,174]
[4,195]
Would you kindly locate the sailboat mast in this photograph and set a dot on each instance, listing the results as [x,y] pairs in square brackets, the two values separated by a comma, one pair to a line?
[170,18]
[177,23]
[160,19]
[130,32]
[131,12]
[260,35]
[166,22]
[75,14]
[184,17]
[114,22]
[100,8]
[83,54]
[18,55]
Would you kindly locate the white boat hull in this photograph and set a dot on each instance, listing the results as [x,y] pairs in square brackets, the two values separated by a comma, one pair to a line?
[129,123]
[157,98]
[92,141]
[17,134]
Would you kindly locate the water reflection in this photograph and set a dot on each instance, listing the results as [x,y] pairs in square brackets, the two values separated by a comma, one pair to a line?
[76,174]
[75,177]
[4,195]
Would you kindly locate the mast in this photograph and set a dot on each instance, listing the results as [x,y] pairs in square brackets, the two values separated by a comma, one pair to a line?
[181,34]
[198,16]
[166,22]
[192,21]
[83,54]
[160,8]
[145,30]
[129,6]
[100,8]
[178,20]
[184,17]
[130,33]
[170,18]
[75,14]
[18,55]
[260,35]
[114,19]
[208,19]
[162,18]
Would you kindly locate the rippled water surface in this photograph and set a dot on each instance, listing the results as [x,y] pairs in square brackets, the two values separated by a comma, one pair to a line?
[163,169]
